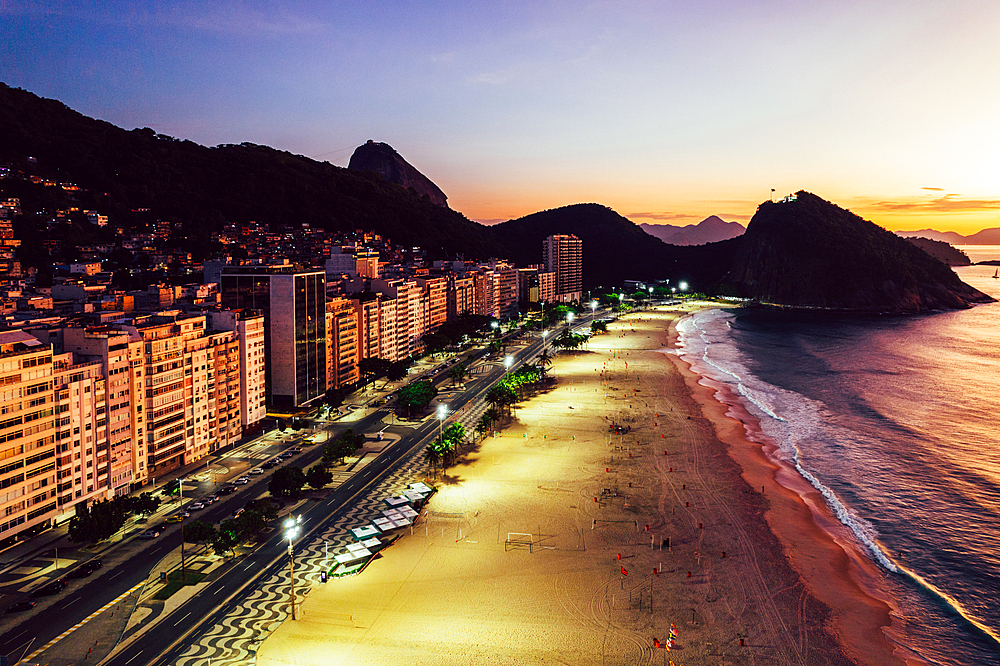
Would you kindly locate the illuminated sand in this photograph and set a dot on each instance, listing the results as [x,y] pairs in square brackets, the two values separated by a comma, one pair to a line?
[450,592]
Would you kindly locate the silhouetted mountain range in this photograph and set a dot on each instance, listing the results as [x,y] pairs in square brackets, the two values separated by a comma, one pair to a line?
[984,237]
[710,230]
[807,252]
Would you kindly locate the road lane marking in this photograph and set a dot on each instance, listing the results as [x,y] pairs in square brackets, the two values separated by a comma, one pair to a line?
[182,619]
[31,657]
[130,660]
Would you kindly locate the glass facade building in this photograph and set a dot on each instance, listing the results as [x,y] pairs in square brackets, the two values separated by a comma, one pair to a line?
[294,307]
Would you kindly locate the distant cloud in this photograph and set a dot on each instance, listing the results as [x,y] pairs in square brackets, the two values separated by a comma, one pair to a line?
[933,189]
[491,78]
[949,203]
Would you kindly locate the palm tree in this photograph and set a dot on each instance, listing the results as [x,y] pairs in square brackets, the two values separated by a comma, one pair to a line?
[544,359]
[458,373]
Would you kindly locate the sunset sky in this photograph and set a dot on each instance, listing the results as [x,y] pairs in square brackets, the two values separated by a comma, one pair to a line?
[664,111]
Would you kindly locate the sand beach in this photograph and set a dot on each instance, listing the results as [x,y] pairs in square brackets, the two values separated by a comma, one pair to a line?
[561,541]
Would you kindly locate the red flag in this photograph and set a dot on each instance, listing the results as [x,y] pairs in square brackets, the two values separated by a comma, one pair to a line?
[624,573]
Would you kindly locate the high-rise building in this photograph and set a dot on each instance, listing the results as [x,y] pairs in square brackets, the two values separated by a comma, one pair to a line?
[293,303]
[249,328]
[28,483]
[343,345]
[562,254]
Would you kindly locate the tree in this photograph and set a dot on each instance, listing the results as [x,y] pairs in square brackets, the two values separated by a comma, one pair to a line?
[251,523]
[318,476]
[287,481]
[373,368]
[226,537]
[199,531]
[544,359]
[417,395]
[345,444]
[146,504]
[458,373]
[598,327]
[101,520]
[397,371]
[435,342]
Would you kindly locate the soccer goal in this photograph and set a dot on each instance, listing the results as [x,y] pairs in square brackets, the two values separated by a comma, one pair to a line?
[519,540]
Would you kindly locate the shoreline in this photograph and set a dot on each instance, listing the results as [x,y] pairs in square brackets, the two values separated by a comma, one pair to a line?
[817,545]
[633,535]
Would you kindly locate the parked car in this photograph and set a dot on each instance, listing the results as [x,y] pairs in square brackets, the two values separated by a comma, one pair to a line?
[243,480]
[173,519]
[210,498]
[55,587]
[257,470]
[22,605]
[227,489]
[273,462]
[295,449]
[196,506]
[150,534]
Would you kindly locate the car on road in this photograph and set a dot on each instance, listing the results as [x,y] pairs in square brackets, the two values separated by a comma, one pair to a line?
[22,605]
[196,506]
[86,569]
[257,470]
[55,587]
[273,462]
[227,489]
[174,519]
[208,499]
[380,402]
[242,480]
[149,534]
[295,449]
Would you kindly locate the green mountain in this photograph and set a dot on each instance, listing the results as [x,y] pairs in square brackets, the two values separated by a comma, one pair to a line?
[809,252]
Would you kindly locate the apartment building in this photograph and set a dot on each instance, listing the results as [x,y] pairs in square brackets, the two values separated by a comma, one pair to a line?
[28,478]
[248,325]
[461,295]
[85,466]
[435,302]
[562,254]
[411,312]
[120,356]
[343,343]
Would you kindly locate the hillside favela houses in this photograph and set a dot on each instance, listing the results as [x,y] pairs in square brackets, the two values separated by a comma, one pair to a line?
[106,388]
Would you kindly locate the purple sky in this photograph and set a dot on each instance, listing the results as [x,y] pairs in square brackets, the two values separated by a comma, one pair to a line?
[665,111]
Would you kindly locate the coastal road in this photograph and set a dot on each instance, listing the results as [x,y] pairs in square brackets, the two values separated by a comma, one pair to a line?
[200,613]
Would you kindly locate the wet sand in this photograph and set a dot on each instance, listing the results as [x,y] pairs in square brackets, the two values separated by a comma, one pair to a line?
[600,582]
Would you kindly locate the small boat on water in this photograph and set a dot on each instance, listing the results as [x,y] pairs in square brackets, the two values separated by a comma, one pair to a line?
[996,274]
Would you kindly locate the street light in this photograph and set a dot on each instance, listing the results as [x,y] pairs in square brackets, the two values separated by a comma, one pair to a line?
[441,414]
[593,307]
[683,286]
[507,363]
[292,531]
[545,334]
[180,488]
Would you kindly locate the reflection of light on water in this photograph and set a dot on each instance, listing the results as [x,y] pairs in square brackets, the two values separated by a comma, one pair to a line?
[979,253]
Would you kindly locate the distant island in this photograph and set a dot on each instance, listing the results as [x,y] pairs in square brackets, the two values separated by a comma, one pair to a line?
[984,237]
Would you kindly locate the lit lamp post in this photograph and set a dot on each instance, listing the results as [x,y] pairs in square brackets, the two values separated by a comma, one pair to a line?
[593,307]
[180,487]
[507,363]
[545,334]
[683,286]
[441,414]
[292,531]
[569,320]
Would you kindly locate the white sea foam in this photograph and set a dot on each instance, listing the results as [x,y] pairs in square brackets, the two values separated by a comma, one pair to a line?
[787,418]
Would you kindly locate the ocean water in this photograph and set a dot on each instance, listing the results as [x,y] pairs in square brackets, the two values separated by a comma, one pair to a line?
[896,420]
